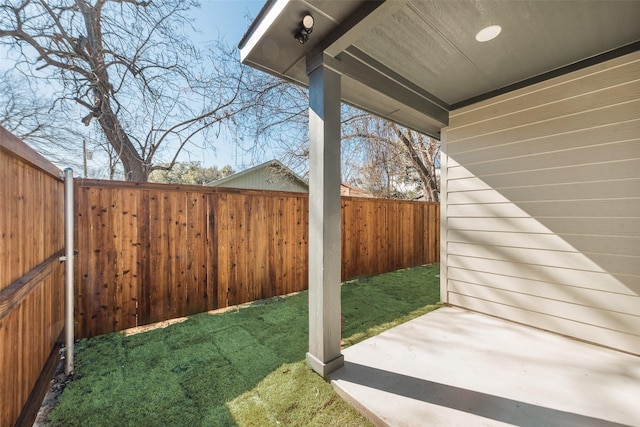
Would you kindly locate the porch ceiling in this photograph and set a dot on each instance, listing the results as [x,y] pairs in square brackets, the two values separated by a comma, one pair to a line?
[414,61]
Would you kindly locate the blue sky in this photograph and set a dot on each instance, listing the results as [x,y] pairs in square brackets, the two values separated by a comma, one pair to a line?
[227,20]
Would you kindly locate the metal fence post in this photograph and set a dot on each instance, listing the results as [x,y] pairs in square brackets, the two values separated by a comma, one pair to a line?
[68,272]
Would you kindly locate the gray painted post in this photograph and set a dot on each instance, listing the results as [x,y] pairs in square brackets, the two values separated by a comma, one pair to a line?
[325,331]
[68,271]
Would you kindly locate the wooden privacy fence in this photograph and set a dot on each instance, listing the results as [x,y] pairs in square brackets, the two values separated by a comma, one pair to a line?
[154,252]
[381,235]
[151,252]
[31,278]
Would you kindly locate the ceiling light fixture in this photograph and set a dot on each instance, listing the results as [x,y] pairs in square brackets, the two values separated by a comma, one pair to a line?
[306,27]
[488,33]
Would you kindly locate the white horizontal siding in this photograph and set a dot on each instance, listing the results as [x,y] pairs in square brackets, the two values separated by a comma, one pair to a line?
[612,73]
[601,102]
[613,245]
[554,127]
[602,281]
[603,155]
[615,264]
[589,190]
[564,325]
[576,139]
[621,227]
[588,314]
[541,205]
[459,178]
[603,208]
[604,300]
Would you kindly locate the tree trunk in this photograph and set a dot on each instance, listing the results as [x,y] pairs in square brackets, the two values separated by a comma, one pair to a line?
[428,179]
[132,162]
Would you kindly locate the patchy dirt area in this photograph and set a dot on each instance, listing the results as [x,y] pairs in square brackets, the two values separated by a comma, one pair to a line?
[56,386]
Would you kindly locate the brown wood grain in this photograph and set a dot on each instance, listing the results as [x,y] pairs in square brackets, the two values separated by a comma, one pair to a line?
[17,291]
[34,402]
[149,252]
[12,146]
[31,282]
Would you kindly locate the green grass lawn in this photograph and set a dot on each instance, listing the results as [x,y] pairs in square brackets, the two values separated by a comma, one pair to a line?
[244,367]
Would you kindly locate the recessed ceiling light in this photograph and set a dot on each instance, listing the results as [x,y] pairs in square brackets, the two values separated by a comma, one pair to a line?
[488,33]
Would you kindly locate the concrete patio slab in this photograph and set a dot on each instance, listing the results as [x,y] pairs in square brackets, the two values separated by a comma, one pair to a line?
[453,367]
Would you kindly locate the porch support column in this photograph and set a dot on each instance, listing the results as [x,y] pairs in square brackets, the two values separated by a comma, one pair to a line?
[325,331]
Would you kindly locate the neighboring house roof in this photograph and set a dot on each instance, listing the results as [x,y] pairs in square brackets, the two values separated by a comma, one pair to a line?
[271,175]
[351,191]
[275,176]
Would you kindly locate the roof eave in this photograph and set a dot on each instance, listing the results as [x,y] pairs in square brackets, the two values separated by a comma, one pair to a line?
[260,26]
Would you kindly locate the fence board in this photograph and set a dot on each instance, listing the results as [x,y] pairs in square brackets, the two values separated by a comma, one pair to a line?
[16,292]
[13,147]
[31,280]
[149,252]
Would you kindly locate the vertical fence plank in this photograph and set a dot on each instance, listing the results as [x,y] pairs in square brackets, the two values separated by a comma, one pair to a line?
[131,206]
[81,244]
[179,285]
[159,252]
[143,286]
[5,231]
[261,266]
[224,246]
[278,243]
[211,259]
[110,238]
[236,230]
[302,240]
[251,278]
[195,255]
[288,244]
[271,233]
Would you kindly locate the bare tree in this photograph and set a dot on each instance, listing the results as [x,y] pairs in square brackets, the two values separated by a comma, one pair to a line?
[277,120]
[36,121]
[191,173]
[394,159]
[130,66]
[379,164]
[423,155]
[390,159]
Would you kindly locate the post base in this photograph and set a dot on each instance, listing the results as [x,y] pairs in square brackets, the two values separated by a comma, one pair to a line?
[322,368]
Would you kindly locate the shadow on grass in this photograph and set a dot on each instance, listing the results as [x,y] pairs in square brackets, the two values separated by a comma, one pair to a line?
[190,373]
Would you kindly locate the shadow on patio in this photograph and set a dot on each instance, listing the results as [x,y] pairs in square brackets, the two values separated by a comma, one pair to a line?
[454,367]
